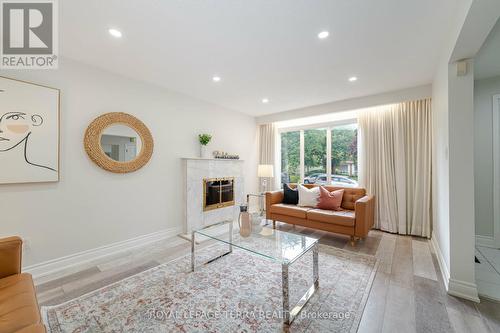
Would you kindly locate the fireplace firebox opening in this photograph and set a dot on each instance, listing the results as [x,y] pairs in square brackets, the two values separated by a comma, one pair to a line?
[218,193]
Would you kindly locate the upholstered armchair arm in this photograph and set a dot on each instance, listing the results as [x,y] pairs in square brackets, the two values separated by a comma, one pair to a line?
[365,214]
[273,197]
[10,256]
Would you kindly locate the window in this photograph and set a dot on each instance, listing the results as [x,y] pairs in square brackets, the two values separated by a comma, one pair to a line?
[326,155]
[290,157]
[344,155]
[314,155]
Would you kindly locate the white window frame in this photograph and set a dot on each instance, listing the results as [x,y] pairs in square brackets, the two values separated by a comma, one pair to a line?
[328,126]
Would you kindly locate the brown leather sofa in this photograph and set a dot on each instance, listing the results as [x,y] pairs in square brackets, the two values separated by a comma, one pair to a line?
[19,310]
[355,219]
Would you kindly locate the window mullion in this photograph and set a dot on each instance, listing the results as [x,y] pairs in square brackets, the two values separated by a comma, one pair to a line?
[302,156]
[329,155]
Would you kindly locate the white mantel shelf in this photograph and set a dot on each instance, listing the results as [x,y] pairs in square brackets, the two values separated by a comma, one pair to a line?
[211,159]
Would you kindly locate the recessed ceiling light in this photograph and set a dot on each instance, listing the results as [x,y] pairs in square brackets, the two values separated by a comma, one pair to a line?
[115,33]
[353,79]
[323,34]
[216,78]
[265,100]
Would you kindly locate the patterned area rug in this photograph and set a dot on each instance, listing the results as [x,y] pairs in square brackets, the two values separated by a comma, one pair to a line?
[240,292]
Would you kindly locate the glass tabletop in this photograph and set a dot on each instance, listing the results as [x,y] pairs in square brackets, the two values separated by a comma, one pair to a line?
[281,246]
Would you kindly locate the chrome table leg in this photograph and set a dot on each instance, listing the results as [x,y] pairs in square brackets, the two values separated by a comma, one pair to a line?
[231,236]
[286,293]
[192,251]
[315,265]
[289,315]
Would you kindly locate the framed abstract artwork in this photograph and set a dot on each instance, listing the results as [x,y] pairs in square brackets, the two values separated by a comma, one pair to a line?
[29,132]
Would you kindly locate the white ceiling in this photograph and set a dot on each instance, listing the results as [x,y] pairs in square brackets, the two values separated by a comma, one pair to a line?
[262,48]
[487,61]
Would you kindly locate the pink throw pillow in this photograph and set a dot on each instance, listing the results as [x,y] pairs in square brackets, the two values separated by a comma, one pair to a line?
[330,200]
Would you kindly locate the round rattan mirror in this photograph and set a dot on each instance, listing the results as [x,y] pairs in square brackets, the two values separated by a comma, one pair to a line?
[118,142]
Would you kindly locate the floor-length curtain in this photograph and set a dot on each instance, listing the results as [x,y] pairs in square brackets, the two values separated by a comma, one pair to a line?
[267,150]
[395,165]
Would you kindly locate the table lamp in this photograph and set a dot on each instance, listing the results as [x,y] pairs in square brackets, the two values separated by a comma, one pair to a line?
[265,171]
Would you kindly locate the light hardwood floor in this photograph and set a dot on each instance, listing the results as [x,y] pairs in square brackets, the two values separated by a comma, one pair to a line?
[407,295]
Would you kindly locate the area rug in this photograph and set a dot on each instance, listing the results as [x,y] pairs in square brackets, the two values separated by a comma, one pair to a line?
[240,292]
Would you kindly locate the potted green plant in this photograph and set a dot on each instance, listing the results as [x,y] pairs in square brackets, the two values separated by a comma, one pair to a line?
[204,140]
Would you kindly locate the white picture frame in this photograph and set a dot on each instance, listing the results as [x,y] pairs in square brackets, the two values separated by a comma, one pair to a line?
[29,132]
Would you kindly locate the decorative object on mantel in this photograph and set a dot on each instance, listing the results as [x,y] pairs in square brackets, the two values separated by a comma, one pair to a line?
[204,140]
[226,156]
[118,142]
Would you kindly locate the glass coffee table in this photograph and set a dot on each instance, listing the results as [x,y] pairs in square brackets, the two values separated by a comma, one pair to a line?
[279,246]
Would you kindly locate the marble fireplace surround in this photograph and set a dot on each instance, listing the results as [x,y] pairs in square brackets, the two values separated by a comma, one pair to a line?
[197,169]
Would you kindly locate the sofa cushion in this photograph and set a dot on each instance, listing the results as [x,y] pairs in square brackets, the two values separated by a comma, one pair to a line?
[10,256]
[342,217]
[290,195]
[18,304]
[330,200]
[289,210]
[308,197]
[351,195]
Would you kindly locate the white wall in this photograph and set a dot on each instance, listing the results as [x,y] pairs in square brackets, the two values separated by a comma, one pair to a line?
[440,163]
[483,158]
[390,97]
[440,172]
[454,146]
[90,207]
[461,181]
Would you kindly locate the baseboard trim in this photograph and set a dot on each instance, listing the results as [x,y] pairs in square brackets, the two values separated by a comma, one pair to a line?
[454,287]
[490,298]
[486,241]
[52,267]
[463,289]
[445,272]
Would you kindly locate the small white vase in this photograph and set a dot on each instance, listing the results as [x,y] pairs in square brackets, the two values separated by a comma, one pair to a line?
[203,151]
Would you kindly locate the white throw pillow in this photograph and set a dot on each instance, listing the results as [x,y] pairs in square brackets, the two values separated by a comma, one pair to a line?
[308,197]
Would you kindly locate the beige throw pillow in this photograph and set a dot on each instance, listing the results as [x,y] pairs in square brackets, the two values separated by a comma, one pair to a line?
[308,197]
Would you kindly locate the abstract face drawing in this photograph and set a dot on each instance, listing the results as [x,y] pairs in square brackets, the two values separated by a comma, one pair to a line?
[15,130]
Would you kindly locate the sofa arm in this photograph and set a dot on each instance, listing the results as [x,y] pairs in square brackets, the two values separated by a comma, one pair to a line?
[365,214]
[10,256]
[272,198]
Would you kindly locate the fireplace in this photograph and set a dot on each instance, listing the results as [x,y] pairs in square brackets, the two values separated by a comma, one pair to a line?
[218,193]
